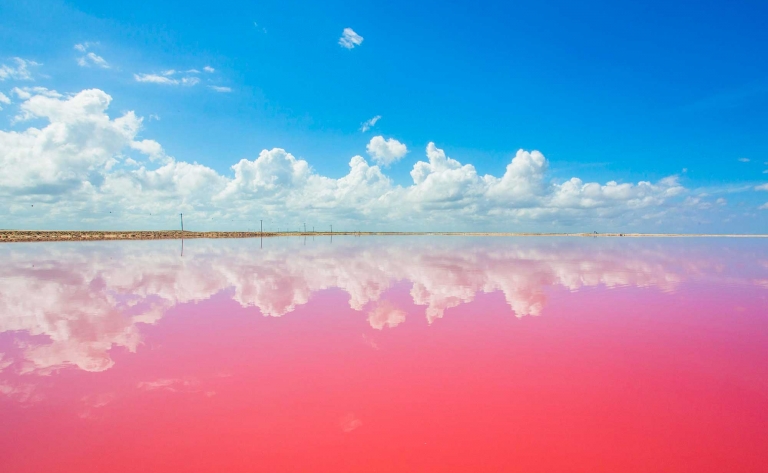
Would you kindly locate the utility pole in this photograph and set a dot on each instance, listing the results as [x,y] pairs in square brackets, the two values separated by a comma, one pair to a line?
[305,228]
[261,227]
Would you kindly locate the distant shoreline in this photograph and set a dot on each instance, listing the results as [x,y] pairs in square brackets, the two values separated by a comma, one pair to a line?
[11,236]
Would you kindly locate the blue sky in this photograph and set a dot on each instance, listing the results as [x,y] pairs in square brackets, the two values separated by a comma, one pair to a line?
[607,91]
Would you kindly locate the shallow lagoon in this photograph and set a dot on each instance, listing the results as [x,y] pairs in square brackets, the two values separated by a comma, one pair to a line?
[385,354]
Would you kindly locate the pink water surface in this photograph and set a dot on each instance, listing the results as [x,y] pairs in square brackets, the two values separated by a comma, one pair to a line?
[379,355]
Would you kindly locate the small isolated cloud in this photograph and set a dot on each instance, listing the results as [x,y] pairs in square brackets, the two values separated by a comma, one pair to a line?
[98,400]
[153,116]
[168,385]
[386,152]
[349,423]
[165,79]
[721,201]
[92,59]
[349,39]
[4,99]
[368,124]
[743,160]
[18,72]
[762,187]
[221,89]
[764,206]
[155,79]
[84,46]
[209,69]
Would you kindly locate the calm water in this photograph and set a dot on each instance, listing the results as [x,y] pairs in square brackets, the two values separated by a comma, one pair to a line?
[385,354]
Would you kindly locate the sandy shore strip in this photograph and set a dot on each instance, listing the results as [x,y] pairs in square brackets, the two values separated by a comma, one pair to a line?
[10,236]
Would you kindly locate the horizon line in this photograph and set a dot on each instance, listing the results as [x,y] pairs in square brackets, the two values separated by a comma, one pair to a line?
[19,236]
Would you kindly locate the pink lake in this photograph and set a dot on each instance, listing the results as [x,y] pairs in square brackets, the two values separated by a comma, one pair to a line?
[429,354]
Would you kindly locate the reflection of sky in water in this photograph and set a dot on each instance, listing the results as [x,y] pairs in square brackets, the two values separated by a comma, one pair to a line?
[679,314]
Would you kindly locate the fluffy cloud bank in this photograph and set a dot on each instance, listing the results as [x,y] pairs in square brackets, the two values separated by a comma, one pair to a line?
[84,168]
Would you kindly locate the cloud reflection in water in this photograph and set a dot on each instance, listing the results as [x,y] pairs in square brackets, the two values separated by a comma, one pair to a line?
[78,301]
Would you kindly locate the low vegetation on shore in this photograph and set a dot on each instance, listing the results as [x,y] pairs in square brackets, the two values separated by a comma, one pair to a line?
[63,235]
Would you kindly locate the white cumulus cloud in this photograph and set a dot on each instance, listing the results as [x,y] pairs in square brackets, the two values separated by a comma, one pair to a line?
[209,69]
[82,164]
[220,88]
[386,152]
[349,39]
